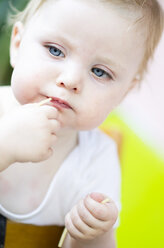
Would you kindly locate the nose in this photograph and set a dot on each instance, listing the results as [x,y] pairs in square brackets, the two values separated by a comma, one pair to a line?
[69,86]
[70,79]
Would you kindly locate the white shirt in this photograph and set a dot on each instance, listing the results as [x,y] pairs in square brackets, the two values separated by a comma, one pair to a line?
[93,166]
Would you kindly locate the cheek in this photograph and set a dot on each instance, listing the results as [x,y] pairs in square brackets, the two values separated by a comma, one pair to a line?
[24,85]
[93,113]
[92,119]
[97,109]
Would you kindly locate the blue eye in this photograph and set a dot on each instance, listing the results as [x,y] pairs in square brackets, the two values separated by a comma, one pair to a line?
[101,73]
[98,72]
[55,51]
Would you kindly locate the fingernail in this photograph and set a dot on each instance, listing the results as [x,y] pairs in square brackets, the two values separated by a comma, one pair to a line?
[107,200]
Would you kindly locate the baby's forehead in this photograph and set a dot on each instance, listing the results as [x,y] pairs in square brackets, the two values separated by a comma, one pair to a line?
[78,18]
[126,9]
[90,18]
[130,14]
[95,30]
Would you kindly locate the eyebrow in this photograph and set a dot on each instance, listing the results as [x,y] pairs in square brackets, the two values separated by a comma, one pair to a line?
[66,41]
[112,63]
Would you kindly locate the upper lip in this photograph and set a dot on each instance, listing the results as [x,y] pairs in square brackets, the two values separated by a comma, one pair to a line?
[59,100]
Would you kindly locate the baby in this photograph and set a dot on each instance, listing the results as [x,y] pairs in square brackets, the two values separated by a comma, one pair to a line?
[56,167]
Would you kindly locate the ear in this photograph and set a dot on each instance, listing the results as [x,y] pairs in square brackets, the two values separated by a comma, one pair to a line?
[16,37]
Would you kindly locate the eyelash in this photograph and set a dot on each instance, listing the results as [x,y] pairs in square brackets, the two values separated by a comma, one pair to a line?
[106,74]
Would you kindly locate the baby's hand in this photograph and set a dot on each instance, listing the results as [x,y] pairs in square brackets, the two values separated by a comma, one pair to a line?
[29,132]
[90,218]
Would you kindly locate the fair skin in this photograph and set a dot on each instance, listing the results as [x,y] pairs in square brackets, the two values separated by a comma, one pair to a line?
[91,64]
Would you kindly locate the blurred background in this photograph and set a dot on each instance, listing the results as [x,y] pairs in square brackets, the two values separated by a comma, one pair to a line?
[140,121]
[5,69]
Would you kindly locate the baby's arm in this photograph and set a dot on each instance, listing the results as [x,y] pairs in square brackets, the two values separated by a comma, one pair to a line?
[90,223]
[27,134]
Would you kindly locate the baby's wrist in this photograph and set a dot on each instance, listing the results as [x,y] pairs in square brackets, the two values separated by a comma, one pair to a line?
[98,238]
[105,238]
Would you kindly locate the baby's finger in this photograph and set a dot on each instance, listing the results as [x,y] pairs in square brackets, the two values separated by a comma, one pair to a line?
[99,225]
[87,217]
[98,210]
[99,197]
[79,224]
[51,112]
[54,126]
[73,231]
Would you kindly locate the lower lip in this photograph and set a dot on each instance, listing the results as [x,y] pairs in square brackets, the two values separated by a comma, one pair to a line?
[59,105]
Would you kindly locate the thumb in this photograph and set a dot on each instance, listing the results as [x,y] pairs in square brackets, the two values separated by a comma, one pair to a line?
[99,197]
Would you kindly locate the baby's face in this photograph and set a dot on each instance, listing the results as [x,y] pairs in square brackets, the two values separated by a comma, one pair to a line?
[83,53]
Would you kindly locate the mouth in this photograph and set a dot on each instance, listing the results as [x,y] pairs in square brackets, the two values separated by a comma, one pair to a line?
[59,103]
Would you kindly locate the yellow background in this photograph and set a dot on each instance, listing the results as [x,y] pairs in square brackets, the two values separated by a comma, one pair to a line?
[142,215]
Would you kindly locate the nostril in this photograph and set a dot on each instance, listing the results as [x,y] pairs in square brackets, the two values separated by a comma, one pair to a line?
[75,89]
[68,86]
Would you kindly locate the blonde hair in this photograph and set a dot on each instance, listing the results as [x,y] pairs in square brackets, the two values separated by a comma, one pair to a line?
[152,20]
